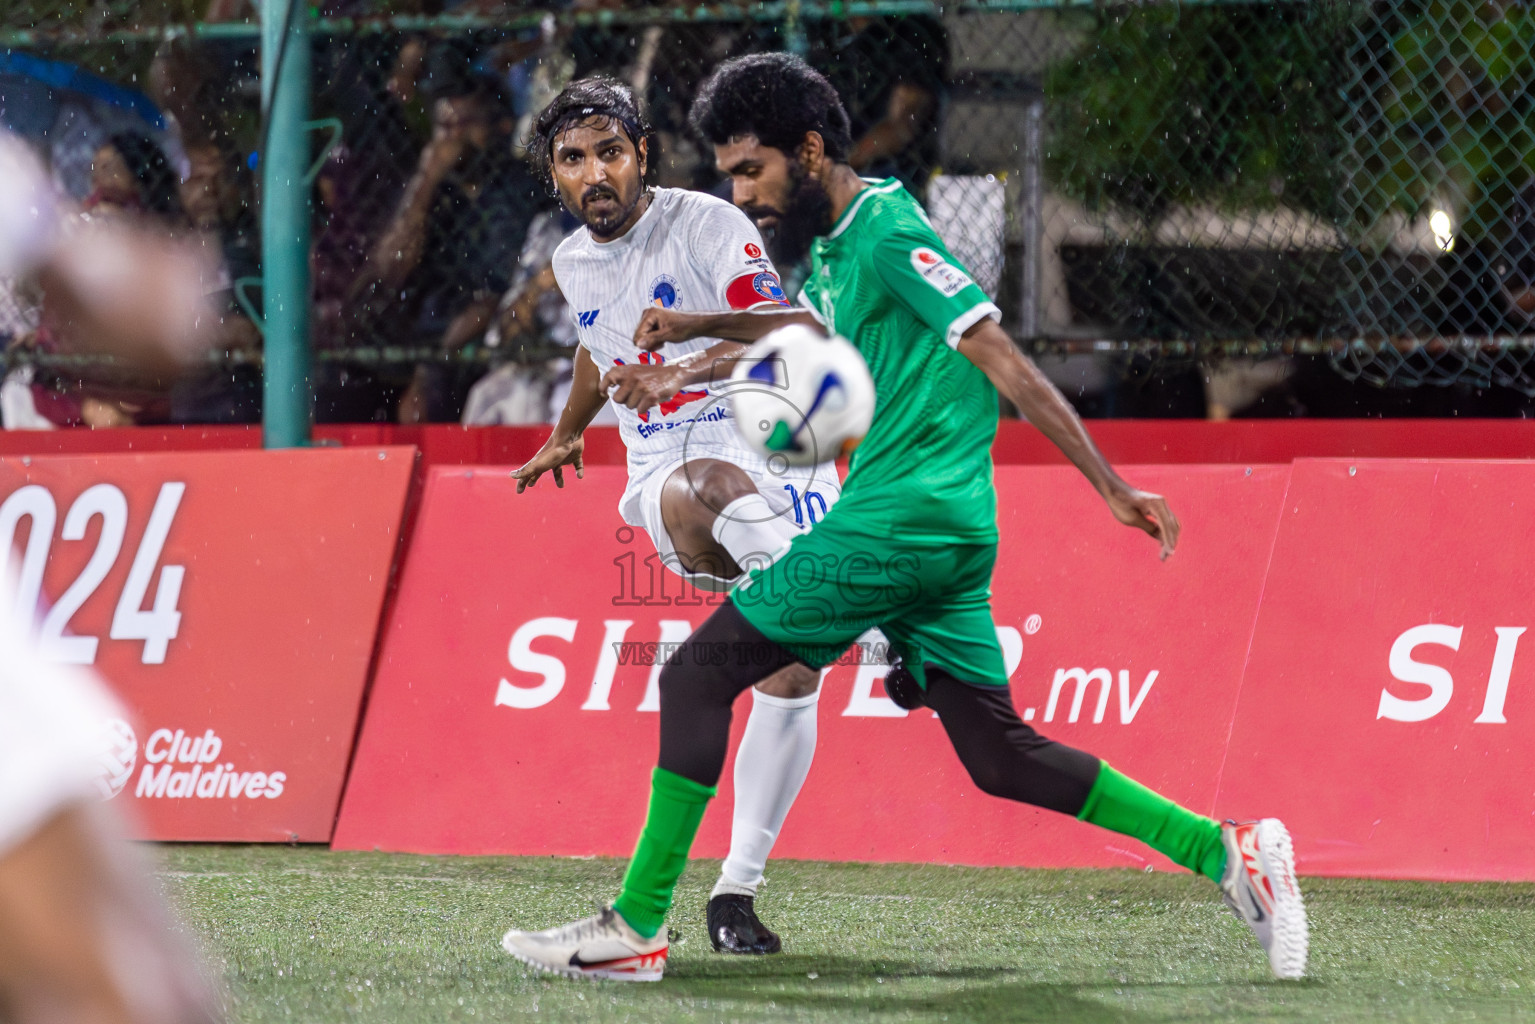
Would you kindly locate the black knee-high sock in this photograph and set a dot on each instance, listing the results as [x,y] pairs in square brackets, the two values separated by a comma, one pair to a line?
[699,684]
[1007,758]
[1003,755]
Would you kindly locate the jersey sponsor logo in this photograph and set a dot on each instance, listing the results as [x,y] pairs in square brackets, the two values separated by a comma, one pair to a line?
[673,403]
[939,272]
[588,318]
[717,413]
[750,290]
[663,291]
[753,251]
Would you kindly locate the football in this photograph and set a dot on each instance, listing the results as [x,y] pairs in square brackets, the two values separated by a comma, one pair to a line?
[802,398]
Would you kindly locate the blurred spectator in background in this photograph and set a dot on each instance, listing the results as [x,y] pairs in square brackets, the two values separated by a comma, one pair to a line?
[362,82]
[191,81]
[69,113]
[530,327]
[444,259]
[892,74]
[130,176]
[344,392]
[132,182]
[216,198]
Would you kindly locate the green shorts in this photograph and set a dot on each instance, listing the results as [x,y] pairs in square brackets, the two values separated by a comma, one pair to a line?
[932,600]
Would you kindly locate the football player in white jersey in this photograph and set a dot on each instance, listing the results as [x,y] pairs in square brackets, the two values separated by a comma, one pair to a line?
[82,936]
[712,506]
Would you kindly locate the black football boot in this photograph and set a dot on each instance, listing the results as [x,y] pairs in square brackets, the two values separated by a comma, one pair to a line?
[734,927]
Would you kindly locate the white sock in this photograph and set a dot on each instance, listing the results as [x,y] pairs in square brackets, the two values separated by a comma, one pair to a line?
[771,765]
[750,530]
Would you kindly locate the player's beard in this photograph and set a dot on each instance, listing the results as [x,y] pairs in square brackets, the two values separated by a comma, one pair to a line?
[604,225]
[807,214]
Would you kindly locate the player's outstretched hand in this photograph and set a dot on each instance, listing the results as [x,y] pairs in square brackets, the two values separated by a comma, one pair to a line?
[642,386]
[1148,512]
[554,455]
[658,326]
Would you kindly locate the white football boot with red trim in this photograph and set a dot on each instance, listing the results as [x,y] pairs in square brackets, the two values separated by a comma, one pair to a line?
[1260,887]
[602,946]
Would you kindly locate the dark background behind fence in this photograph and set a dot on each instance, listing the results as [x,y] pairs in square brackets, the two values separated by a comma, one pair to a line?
[1183,209]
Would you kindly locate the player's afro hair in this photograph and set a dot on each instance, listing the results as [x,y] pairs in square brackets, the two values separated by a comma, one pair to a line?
[596,96]
[775,96]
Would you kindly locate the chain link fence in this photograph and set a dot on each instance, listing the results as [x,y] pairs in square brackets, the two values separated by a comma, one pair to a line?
[1261,208]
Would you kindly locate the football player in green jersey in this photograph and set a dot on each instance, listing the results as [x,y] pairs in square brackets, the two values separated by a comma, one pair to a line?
[910,546]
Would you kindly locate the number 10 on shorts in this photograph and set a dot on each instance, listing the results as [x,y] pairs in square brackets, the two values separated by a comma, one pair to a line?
[810,500]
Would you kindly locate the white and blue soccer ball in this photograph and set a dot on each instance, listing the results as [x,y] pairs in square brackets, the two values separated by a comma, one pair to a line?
[800,398]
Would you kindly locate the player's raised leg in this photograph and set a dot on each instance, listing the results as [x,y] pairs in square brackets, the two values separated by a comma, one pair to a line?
[1252,863]
[718,522]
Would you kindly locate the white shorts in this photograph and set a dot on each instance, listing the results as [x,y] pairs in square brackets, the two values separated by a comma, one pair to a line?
[799,497]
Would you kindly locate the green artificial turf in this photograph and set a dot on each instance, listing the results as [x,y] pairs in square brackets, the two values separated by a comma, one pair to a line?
[304,934]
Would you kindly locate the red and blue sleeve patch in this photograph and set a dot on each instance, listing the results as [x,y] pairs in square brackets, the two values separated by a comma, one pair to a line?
[754,289]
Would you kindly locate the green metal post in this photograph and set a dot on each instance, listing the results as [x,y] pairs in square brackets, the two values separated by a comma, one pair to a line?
[285,221]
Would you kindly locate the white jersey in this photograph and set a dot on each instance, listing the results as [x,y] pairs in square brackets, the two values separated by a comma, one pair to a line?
[689,251]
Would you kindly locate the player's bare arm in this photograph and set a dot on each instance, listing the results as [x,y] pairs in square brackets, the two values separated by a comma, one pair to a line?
[566,443]
[75,911]
[659,326]
[1014,375]
[641,386]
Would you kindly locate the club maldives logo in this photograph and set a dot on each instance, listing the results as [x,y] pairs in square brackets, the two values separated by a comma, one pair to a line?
[753,251]
[116,756]
[178,764]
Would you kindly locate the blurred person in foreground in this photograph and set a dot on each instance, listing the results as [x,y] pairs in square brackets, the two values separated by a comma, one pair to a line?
[83,936]
[444,260]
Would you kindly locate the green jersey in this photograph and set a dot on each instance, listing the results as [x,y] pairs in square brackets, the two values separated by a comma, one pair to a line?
[884,280]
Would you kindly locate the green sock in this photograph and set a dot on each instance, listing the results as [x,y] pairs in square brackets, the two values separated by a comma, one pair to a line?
[1123,805]
[676,809]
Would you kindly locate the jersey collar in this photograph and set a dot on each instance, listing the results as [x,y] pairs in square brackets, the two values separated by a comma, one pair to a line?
[878,188]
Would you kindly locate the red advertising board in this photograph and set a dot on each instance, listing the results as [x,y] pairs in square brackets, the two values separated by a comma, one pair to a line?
[231,600]
[504,719]
[1388,708]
